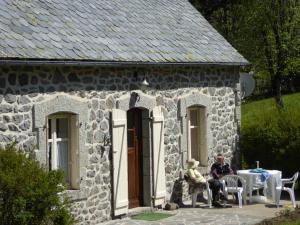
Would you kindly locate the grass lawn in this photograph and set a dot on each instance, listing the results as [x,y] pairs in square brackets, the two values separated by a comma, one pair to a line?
[253,111]
[151,216]
[292,223]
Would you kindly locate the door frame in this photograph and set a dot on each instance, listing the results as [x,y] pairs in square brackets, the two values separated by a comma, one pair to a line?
[138,99]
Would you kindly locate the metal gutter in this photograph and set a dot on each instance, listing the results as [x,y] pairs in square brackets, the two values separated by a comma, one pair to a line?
[113,63]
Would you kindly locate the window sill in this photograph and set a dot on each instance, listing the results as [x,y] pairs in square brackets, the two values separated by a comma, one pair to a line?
[75,195]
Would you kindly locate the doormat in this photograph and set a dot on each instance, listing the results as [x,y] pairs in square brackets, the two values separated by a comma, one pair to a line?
[151,216]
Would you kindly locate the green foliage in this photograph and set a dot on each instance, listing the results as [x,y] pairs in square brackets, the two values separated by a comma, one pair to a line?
[28,193]
[260,30]
[266,32]
[292,223]
[272,29]
[286,216]
[272,136]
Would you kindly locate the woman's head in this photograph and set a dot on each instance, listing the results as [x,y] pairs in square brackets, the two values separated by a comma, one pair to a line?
[192,164]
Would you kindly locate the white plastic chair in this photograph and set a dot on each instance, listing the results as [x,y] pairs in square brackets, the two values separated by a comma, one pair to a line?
[290,190]
[209,196]
[231,186]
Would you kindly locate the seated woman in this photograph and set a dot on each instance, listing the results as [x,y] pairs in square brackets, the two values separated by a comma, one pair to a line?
[196,181]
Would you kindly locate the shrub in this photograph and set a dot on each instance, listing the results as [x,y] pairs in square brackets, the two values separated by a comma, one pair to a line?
[29,193]
[272,136]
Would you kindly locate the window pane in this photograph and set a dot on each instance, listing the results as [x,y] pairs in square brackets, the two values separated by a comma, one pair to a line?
[62,157]
[195,143]
[49,155]
[62,128]
[194,117]
[49,129]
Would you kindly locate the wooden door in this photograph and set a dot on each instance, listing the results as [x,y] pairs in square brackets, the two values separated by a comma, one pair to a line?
[134,118]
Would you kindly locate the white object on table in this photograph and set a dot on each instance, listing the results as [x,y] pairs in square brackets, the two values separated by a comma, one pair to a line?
[254,179]
[257,164]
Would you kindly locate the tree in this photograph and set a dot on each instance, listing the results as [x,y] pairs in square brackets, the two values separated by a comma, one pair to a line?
[265,32]
[274,27]
[222,14]
[225,16]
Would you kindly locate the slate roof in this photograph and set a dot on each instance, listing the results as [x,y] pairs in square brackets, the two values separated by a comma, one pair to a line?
[158,31]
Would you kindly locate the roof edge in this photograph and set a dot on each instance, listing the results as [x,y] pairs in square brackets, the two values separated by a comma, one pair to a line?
[113,63]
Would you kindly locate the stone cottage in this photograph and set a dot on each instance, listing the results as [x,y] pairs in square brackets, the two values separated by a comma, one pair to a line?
[118,95]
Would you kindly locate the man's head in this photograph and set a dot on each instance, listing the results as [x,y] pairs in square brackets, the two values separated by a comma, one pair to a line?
[220,158]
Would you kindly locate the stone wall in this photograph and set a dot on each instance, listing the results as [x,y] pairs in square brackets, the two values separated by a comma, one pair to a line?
[21,87]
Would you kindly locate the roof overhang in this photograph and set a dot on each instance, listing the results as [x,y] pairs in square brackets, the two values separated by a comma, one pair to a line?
[37,62]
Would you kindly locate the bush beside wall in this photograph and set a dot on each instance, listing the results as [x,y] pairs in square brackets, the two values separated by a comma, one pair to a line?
[270,136]
[29,193]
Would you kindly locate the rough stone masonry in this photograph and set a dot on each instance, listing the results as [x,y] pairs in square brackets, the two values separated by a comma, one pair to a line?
[21,87]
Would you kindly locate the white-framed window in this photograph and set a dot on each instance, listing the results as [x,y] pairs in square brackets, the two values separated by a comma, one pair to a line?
[197,134]
[62,146]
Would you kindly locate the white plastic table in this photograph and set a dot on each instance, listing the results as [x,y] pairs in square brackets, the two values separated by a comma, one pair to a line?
[269,185]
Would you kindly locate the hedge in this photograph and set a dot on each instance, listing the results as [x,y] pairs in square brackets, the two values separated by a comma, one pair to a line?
[29,195]
[272,136]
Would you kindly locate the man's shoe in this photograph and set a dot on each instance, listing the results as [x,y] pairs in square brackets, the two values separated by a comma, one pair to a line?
[217,204]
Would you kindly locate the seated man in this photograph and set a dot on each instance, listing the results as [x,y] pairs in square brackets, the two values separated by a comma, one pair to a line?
[218,170]
[196,180]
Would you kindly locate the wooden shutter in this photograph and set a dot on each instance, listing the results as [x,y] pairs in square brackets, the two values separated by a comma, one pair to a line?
[74,152]
[120,170]
[158,156]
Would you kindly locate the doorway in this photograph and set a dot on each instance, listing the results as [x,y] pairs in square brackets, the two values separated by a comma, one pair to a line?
[134,141]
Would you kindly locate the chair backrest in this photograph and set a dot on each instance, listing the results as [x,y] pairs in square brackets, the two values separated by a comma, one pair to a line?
[232,181]
[188,179]
[294,179]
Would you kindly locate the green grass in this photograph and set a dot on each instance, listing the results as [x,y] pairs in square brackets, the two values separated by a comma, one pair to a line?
[151,216]
[254,111]
[268,105]
[292,223]
[270,135]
